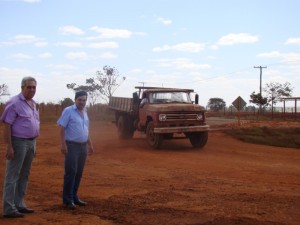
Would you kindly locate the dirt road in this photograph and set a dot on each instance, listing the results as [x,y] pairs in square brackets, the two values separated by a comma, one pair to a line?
[126,182]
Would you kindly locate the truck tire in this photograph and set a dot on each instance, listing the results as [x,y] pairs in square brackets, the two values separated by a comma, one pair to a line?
[125,130]
[198,139]
[154,140]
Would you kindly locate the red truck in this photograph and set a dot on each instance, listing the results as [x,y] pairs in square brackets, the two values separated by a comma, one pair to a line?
[168,114]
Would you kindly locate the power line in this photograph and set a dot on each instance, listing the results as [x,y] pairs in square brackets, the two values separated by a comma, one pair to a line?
[231,73]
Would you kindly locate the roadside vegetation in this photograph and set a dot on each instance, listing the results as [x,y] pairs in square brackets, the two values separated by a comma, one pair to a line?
[288,137]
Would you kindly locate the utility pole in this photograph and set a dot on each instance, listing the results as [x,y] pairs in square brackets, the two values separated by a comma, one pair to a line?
[260,78]
[260,67]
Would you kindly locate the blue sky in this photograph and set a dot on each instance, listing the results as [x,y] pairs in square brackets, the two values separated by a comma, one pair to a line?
[210,46]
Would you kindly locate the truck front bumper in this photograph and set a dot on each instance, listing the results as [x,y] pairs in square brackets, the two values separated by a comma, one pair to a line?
[164,130]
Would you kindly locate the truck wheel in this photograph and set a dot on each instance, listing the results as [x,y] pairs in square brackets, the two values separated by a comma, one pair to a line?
[124,128]
[198,139]
[154,140]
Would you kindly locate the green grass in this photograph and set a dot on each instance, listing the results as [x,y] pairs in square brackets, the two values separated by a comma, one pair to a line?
[288,137]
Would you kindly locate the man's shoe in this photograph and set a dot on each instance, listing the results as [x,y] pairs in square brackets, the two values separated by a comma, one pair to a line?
[71,206]
[80,203]
[26,210]
[14,215]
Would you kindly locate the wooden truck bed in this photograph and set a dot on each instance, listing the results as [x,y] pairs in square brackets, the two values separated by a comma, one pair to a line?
[121,104]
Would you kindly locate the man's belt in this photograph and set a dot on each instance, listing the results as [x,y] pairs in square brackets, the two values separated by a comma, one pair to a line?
[29,139]
[76,143]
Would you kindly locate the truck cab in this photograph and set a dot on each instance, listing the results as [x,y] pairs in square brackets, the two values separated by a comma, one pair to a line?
[171,111]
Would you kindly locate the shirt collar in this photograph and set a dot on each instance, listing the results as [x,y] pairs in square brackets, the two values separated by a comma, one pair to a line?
[75,108]
[21,96]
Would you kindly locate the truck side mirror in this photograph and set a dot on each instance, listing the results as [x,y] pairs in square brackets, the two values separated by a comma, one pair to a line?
[196,99]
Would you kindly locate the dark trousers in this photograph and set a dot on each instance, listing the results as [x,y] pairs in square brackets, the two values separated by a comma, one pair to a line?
[74,165]
[17,173]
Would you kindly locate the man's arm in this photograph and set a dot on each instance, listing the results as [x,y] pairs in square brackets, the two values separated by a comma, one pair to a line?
[7,141]
[63,148]
[90,146]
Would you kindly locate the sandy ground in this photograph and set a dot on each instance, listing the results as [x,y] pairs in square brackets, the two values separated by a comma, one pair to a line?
[126,182]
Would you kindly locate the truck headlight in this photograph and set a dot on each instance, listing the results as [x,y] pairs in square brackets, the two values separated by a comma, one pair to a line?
[162,117]
[199,117]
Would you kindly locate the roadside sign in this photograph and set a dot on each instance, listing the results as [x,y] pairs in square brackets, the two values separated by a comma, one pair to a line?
[239,103]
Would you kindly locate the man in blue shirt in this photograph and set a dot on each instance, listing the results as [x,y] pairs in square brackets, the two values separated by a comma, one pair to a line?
[75,144]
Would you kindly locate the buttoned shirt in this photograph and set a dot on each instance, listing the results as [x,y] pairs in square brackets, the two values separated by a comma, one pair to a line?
[76,124]
[23,118]
[144,100]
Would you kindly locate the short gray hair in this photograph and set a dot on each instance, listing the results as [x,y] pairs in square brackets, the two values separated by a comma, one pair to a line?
[25,79]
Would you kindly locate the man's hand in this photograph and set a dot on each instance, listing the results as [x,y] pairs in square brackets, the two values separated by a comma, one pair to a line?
[9,152]
[64,149]
[90,150]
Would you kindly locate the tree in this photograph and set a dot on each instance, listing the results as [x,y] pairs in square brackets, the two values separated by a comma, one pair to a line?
[257,99]
[216,104]
[66,102]
[103,86]
[275,91]
[92,88]
[109,81]
[3,90]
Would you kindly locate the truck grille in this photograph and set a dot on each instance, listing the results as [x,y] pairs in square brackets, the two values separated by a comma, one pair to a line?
[177,117]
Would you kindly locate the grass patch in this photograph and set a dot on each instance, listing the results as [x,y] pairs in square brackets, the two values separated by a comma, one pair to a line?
[288,137]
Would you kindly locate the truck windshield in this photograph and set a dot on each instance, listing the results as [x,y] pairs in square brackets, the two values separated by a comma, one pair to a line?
[168,97]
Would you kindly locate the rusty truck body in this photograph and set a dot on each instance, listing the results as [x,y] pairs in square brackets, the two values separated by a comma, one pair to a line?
[169,113]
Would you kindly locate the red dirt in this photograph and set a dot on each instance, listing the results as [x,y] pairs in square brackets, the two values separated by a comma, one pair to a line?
[126,182]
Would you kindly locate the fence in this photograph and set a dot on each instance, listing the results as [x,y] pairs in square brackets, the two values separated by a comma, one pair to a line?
[51,112]
[254,113]
[100,111]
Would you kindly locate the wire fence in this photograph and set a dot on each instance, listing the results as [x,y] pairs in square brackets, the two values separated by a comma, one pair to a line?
[101,111]
[255,113]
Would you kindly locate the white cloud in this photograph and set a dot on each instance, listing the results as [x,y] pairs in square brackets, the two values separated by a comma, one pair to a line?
[214,47]
[140,33]
[293,41]
[291,58]
[70,30]
[183,47]
[32,1]
[110,44]
[41,44]
[198,74]
[240,38]
[181,63]
[76,55]
[24,38]
[111,33]
[164,21]
[45,55]
[70,44]
[21,56]
[108,55]
[273,54]
[62,66]
[6,43]
[135,70]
